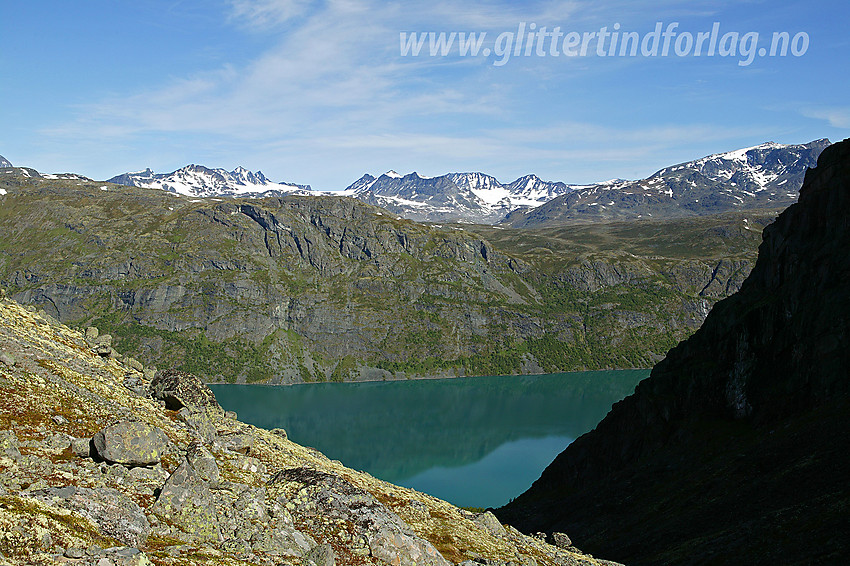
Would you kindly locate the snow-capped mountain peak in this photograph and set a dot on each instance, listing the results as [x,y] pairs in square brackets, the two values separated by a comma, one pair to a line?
[199,181]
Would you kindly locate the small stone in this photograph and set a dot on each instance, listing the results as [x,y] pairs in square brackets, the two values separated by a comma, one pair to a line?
[279,432]
[59,419]
[75,552]
[8,359]
[230,415]
[81,447]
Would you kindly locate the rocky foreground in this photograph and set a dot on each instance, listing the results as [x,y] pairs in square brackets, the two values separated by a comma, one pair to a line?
[103,462]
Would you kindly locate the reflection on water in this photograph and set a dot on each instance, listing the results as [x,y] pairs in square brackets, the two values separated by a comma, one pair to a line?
[472,441]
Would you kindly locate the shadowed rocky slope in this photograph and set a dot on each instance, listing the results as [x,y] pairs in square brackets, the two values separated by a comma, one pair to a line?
[735,450]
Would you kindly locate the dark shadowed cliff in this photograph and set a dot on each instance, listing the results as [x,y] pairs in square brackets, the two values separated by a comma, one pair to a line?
[735,450]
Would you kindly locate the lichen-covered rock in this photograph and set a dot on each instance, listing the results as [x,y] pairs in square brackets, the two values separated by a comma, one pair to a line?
[7,359]
[9,445]
[203,463]
[489,522]
[115,514]
[333,498]
[199,422]
[81,447]
[321,555]
[187,502]
[132,443]
[240,443]
[180,389]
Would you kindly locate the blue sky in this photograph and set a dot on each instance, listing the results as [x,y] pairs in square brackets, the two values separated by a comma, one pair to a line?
[319,93]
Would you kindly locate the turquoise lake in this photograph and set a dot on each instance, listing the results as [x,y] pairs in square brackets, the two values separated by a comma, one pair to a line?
[476,442]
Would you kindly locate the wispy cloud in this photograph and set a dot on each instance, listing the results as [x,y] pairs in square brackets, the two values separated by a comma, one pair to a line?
[266,14]
[836,116]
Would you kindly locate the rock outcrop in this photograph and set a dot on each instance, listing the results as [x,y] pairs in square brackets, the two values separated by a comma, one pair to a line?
[93,472]
[737,441]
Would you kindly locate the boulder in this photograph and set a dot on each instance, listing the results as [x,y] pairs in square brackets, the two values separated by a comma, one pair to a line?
[9,445]
[92,333]
[321,555]
[180,389]
[132,443]
[560,540]
[115,514]
[198,421]
[7,359]
[490,523]
[279,432]
[240,443]
[203,462]
[134,364]
[186,501]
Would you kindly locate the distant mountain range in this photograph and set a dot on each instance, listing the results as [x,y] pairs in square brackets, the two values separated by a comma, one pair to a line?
[200,181]
[765,176]
[464,197]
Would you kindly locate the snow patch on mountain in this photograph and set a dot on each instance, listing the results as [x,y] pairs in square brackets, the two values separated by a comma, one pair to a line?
[200,181]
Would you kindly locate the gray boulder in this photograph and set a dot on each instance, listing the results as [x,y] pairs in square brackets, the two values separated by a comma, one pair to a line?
[180,389]
[187,502]
[115,514]
[490,523]
[203,463]
[240,443]
[9,445]
[321,555]
[132,443]
[7,359]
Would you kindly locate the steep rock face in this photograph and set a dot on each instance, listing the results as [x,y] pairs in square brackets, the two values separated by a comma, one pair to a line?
[304,288]
[4,162]
[739,435]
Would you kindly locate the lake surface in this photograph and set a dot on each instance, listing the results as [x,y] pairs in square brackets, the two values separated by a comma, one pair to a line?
[476,442]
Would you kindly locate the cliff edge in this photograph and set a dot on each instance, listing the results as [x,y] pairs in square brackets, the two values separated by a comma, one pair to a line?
[735,449]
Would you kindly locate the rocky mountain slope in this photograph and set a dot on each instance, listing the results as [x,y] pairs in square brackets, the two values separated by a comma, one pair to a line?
[103,461]
[764,176]
[200,181]
[307,288]
[736,445]
[4,162]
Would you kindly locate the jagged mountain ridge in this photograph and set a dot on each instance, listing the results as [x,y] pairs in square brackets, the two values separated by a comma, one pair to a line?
[200,181]
[5,162]
[764,176]
[465,197]
[738,437]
